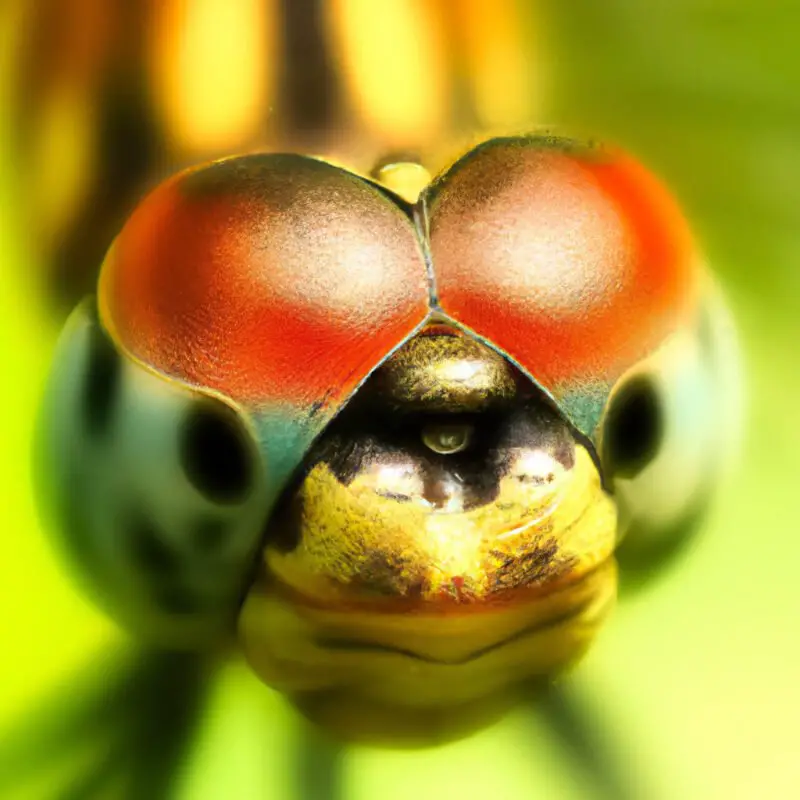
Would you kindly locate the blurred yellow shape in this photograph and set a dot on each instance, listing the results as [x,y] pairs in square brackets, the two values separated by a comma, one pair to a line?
[497,51]
[62,160]
[393,61]
[214,65]
[404,178]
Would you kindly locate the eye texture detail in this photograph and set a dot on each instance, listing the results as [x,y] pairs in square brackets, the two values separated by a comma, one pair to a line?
[102,383]
[215,454]
[634,428]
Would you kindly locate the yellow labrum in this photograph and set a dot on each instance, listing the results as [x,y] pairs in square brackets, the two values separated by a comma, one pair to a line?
[448,543]
[359,543]
[394,622]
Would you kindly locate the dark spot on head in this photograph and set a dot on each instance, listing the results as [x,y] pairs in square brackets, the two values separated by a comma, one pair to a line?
[215,453]
[175,598]
[77,522]
[209,534]
[102,382]
[634,428]
[538,565]
[286,522]
[148,546]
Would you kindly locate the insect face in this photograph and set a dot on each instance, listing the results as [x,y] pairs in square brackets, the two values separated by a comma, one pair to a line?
[448,539]
[389,444]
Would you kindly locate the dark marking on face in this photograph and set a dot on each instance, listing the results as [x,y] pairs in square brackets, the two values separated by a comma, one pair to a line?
[634,427]
[537,426]
[386,575]
[215,453]
[101,386]
[375,438]
[286,522]
[149,548]
[208,534]
[473,472]
[174,598]
[539,565]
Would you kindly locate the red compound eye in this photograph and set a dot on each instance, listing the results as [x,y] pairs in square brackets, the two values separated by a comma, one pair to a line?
[269,278]
[574,262]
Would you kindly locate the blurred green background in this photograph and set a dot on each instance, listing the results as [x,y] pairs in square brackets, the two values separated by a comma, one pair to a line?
[694,683]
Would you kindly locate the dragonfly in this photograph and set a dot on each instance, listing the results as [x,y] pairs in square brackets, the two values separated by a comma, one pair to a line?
[401,471]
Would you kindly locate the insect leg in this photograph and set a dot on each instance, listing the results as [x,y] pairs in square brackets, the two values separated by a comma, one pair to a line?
[319,767]
[576,732]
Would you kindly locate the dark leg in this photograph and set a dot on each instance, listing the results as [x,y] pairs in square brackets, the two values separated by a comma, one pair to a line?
[320,762]
[134,717]
[168,700]
[591,749]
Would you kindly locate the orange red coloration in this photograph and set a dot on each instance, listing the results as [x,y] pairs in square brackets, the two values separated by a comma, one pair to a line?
[571,262]
[268,278]
[281,279]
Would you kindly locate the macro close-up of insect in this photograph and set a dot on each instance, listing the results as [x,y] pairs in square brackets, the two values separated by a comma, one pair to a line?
[398,402]
[390,447]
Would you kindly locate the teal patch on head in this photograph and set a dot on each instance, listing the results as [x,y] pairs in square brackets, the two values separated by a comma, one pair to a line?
[284,438]
[584,409]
